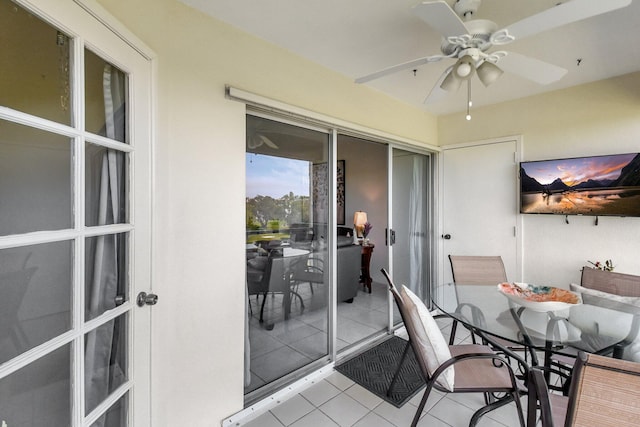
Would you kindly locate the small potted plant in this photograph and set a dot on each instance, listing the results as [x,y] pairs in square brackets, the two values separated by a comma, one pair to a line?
[365,232]
[607,266]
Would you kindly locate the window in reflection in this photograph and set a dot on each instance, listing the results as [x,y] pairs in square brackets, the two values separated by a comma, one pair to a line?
[39,395]
[35,65]
[35,180]
[35,289]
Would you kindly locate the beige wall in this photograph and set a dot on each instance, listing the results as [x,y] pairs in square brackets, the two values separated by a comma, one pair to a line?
[198,329]
[593,119]
[200,185]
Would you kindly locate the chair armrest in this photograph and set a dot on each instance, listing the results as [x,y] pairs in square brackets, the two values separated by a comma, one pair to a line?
[498,362]
[538,391]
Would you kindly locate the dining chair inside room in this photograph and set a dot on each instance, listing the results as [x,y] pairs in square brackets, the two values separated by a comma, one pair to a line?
[465,368]
[271,274]
[604,392]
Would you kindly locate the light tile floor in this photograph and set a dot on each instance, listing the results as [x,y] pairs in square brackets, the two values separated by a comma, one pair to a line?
[302,338]
[338,401]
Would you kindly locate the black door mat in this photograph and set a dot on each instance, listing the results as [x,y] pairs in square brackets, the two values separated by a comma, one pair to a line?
[374,370]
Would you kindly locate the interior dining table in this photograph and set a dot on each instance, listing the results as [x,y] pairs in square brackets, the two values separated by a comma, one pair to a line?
[594,325]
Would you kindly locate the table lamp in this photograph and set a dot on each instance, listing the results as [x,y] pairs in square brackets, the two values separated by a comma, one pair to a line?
[359,220]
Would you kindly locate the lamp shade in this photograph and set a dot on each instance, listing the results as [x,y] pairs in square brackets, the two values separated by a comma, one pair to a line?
[462,70]
[488,73]
[359,218]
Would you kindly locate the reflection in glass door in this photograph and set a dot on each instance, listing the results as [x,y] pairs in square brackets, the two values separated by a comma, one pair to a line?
[287,282]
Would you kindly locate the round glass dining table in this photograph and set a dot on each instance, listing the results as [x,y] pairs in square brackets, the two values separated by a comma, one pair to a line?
[594,324]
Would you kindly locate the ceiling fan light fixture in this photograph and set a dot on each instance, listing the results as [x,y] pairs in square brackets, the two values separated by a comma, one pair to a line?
[463,70]
[451,83]
[488,73]
[465,67]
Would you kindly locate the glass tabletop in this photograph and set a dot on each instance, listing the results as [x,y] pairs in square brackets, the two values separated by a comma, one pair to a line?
[593,325]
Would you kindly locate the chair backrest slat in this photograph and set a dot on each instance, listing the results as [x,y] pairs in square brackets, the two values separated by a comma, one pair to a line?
[604,392]
[406,319]
[477,270]
[610,282]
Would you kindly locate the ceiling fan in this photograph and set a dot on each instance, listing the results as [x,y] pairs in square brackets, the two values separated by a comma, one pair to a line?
[469,42]
[257,139]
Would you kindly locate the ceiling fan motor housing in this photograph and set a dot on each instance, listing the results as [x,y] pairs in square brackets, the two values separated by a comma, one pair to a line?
[479,36]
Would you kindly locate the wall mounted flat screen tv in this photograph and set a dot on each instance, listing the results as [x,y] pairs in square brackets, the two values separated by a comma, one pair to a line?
[597,185]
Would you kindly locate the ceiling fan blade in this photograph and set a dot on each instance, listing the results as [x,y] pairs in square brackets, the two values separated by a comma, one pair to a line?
[437,93]
[268,142]
[439,16]
[399,67]
[533,69]
[563,14]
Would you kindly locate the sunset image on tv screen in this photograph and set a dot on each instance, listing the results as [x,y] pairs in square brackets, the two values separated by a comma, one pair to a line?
[598,185]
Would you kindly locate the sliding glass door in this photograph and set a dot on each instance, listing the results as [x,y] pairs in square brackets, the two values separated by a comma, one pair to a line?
[288,206]
[410,235]
[314,288]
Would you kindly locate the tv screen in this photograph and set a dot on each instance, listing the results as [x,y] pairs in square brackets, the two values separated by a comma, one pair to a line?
[596,185]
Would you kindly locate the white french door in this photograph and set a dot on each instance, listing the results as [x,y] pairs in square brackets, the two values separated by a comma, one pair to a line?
[75,220]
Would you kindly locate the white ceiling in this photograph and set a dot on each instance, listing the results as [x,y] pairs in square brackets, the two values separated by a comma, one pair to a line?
[359,37]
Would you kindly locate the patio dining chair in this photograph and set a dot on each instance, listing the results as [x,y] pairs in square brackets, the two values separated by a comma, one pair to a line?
[604,392]
[467,368]
[475,270]
[272,275]
[605,286]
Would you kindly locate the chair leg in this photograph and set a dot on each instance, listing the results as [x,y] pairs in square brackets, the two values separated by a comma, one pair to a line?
[397,374]
[423,402]
[264,300]
[452,337]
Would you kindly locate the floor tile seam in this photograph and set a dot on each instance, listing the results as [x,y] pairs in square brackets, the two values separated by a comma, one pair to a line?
[362,403]
[437,418]
[474,409]
[278,349]
[335,421]
[314,407]
[289,344]
[363,324]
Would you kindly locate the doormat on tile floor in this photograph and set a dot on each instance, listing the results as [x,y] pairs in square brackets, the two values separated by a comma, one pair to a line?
[374,370]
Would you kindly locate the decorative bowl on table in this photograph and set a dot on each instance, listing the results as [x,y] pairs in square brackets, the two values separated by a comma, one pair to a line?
[539,298]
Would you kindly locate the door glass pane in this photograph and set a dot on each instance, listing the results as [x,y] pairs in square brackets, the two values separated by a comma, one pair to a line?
[38,395]
[116,416]
[35,180]
[106,363]
[365,181]
[106,273]
[106,89]
[35,296]
[34,60]
[411,253]
[286,252]
[105,186]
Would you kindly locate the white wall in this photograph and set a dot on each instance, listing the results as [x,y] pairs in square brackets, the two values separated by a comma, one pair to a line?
[199,190]
[593,119]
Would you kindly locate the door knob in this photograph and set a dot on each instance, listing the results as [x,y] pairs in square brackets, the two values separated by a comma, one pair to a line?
[446,236]
[147,299]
